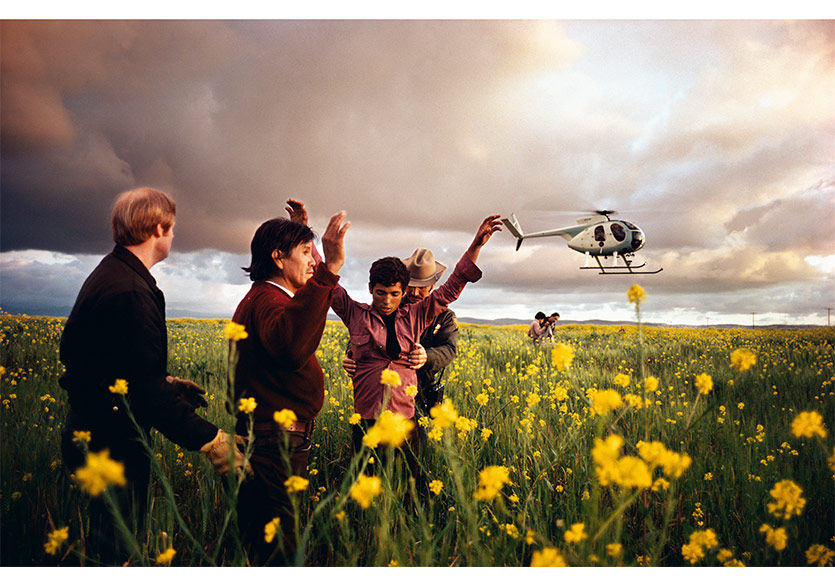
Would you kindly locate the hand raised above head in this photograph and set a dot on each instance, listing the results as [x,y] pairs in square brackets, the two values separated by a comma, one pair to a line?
[488,227]
[333,242]
[297,211]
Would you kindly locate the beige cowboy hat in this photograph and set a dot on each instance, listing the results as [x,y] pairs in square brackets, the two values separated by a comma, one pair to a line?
[423,268]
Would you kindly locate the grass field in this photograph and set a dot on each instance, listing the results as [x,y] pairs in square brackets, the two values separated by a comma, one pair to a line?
[610,447]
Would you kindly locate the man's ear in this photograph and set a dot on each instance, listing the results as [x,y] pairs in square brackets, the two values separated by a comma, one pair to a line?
[159,231]
[277,259]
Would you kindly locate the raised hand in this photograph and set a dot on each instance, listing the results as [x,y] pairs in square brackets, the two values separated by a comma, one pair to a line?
[333,242]
[488,227]
[297,211]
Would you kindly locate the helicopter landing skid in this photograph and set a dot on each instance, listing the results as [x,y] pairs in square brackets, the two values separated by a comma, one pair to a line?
[615,269]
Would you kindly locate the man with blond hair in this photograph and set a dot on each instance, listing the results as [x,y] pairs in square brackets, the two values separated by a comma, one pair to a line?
[116,331]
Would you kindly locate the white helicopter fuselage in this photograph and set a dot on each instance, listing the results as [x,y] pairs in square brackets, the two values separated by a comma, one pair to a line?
[590,235]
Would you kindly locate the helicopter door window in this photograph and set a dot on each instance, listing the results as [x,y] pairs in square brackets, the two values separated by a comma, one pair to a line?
[618,232]
[599,234]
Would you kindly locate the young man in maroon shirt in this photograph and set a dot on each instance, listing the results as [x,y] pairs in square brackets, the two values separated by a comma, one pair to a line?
[284,315]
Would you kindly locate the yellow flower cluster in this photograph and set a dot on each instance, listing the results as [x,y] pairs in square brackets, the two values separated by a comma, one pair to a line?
[165,557]
[576,534]
[636,294]
[443,416]
[390,378]
[490,481]
[743,359]
[562,356]
[235,332]
[296,484]
[80,437]
[436,486]
[100,472]
[672,463]
[120,387]
[390,429]
[605,401]
[247,405]
[808,424]
[699,542]
[612,468]
[788,500]
[776,538]
[820,555]
[704,382]
[365,489]
[548,557]
[285,417]
[55,539]
[270,529]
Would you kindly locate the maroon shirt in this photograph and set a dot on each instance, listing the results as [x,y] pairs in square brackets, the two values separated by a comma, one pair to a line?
[368,341]
[277,363]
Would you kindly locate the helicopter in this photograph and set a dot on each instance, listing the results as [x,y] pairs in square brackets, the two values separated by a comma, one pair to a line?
[596,237]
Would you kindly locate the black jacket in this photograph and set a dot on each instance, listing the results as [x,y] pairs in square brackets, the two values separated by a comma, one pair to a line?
[117,330]
[440,340]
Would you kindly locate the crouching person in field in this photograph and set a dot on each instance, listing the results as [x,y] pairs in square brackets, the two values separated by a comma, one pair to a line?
[284,315]
[115,350]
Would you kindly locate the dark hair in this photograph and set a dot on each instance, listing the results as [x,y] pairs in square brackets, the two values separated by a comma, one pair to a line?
[387,271]
[539,315]
[276,234]
[555,314]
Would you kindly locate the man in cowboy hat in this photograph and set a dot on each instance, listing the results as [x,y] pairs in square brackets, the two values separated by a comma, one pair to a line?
[438,342]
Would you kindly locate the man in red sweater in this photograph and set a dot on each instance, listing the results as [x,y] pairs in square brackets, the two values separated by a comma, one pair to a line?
[284,314]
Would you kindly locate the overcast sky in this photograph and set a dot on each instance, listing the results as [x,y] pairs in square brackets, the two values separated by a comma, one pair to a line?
[717,137]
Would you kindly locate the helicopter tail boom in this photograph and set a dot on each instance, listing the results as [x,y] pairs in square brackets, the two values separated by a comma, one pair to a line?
[514,228]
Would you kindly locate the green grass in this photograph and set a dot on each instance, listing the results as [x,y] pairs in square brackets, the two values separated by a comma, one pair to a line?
[738,437]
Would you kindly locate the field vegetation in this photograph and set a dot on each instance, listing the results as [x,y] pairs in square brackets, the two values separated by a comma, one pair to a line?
[609,447]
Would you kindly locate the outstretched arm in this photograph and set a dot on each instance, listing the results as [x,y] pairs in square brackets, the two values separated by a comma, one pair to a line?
[490,225]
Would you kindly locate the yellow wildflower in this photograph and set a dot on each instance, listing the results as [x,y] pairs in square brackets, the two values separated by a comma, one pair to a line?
[482,399]
[622,380]
[788,500]
[562,356]
[704,382]
[743,359]
[706,538]
[436,433]
[548,557]
[100,472]
[490,481]
[390,429]
[165,557]
[81,436]
[605,401]
[444,415]
[365,489]
[776,538]
[355,419]
[808,424]
[235,332]
[651,384]
[692,552]
[56,538]
[436,486]
[390,378]
[296,484]
[636,294]
[411,391]
[576,534]
[723,555]
[486,433]
[120,387]
[820,555]
[270,529]
[614,550]
[285,417]
[247,404]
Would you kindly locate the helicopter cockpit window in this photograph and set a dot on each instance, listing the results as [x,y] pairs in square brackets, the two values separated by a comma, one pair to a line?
[630,225]
[599,233]
[618,232]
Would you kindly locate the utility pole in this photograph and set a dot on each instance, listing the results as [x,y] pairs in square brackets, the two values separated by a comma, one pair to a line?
[828,313]
[753,327]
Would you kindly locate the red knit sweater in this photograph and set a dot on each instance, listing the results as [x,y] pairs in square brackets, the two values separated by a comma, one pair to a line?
[277,363]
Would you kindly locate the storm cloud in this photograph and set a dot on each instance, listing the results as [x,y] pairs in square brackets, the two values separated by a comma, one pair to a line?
[716,137]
